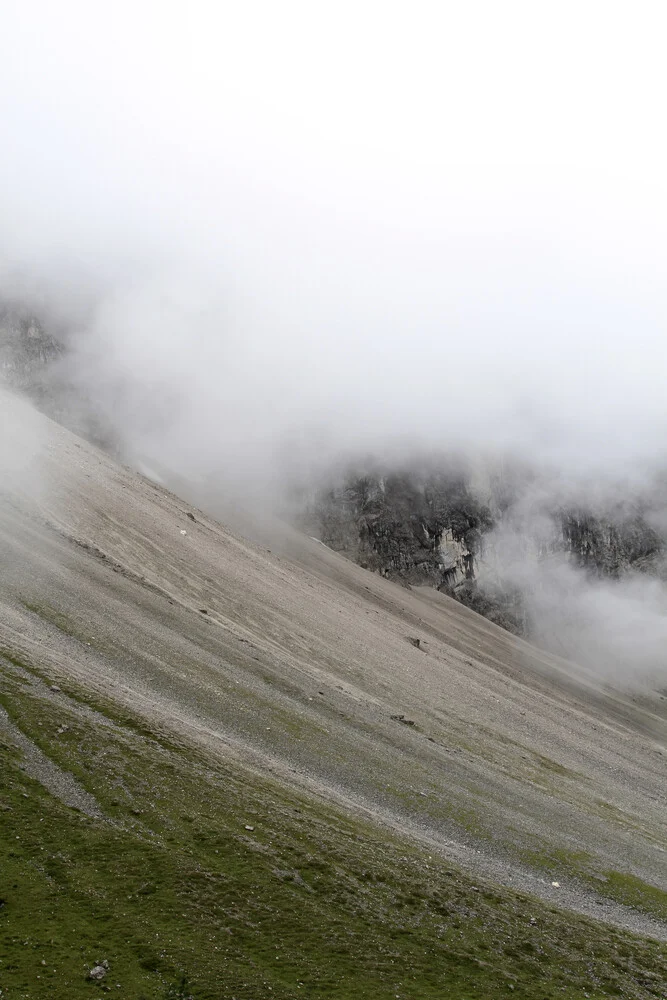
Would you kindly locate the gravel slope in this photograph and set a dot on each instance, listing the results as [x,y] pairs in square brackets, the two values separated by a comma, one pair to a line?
[288,658]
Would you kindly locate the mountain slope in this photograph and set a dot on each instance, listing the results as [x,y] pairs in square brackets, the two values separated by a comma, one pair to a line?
[295,667]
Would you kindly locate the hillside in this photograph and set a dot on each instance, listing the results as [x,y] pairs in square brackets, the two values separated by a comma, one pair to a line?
[291,773]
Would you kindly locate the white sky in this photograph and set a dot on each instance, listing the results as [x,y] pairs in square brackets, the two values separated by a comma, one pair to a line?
[355,221]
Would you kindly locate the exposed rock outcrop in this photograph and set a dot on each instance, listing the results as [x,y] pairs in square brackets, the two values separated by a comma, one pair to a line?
[34,361]
[28,354]
[405,526]
[451,531]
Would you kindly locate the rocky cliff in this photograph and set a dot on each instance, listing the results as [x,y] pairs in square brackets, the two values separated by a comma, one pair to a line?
[33,361]
[447,530]
[28,354]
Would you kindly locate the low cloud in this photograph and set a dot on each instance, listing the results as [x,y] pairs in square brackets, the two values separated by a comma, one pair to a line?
[281,240]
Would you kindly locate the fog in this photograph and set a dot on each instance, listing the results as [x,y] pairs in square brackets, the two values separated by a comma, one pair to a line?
[615,626]
[278,235]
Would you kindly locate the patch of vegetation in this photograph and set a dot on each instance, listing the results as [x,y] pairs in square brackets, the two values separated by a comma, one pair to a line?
[634,891]
[67,625]
[548,764]
[62,622]
[622,887]
[16,661]
[208,881]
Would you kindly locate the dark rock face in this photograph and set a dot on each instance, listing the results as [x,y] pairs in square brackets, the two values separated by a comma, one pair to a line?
[410,528]
[34,361]
[610,545]
[416,528]
[436,529]
[27,353]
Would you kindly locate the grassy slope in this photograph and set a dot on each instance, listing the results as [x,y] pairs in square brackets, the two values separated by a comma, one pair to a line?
[308,903]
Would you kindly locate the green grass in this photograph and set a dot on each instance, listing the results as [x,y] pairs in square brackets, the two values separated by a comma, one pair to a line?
[633,891]
[623,887]
[56,618]
[66,625]
[182,900]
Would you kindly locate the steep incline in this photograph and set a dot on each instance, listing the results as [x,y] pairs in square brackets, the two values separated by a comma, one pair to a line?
[296,662]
